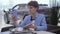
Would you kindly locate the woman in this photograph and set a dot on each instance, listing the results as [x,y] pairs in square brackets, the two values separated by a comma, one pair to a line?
[40,22]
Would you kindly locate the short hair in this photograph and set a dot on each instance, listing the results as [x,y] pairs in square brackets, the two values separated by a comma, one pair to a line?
[34,4]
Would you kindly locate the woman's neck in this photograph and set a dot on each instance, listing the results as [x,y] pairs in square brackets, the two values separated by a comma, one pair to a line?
[33,16]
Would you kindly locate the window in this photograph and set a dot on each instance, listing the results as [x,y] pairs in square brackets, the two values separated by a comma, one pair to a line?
[10,3]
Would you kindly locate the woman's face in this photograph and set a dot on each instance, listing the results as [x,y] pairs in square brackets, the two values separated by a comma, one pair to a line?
[32,9]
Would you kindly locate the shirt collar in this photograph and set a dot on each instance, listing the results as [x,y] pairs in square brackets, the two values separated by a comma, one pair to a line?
[36,14]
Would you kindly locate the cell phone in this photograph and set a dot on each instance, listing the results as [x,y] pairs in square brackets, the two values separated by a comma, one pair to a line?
[28,24]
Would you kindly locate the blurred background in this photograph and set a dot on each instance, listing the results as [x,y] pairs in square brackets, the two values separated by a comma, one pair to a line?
[50,8]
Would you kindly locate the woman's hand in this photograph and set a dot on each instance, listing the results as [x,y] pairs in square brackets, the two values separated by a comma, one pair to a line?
[30,26]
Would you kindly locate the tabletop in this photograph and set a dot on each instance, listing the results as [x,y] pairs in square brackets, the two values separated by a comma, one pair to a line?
[5,25]
[37,32]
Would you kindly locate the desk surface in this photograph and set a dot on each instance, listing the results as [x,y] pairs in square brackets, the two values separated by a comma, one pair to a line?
[38,32]
[43,32]
[5,25]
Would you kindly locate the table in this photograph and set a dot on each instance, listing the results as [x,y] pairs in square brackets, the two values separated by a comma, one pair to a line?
[38,32]
[5,25]
[43,32]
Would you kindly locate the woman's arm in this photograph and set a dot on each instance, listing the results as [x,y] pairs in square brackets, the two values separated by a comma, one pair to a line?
[43,25]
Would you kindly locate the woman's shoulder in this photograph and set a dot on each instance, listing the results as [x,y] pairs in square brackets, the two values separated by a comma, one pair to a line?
[26,16]
[42,15]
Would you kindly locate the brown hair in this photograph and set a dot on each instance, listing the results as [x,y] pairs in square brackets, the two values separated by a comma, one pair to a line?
[34,4]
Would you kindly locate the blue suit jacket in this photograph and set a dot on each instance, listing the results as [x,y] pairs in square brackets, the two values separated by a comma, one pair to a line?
[40,22]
